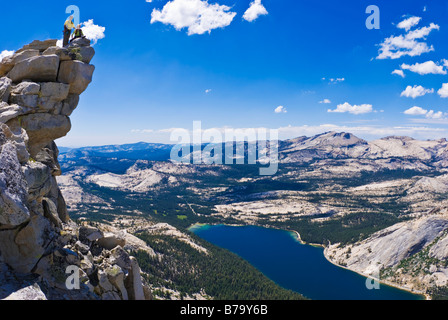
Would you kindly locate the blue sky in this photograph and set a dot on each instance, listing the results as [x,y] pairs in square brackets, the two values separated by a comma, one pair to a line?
[158,67]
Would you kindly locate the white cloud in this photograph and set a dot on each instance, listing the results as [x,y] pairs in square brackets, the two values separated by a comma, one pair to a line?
[280,109]
[428,67]
[416,111]
[355,109]
[5,53]
[198,16]
[325,101]
[399,72]
[415,91]
[208,90]
[443,92]
[396,47]
[409,23]
[92,31]
[255,10]
[435,115]
[336,80]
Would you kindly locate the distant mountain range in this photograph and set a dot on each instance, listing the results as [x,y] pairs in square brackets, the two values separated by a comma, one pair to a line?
[329,145]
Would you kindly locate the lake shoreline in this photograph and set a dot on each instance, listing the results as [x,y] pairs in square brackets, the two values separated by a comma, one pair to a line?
[385,282]
[298,238]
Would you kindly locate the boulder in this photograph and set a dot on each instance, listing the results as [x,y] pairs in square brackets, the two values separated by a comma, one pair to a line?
[51,96]
[39,45]
[29,293]
[42,128]
[89,234]
[5,88]
[62,53]
[8,112]
[24,100]
[20,141]
[51,212]
[116,277]
[55,90]
[133,282]
[22,249]
[77,74]
[8,63]
[70,104]
[38,178]
[112,240]
[26,88]
[121,258]
[49,156]
[62,208]
[81,53]
[86,54]
[104,281]
[13,188]
[79,42]
[38,68]
[84,249]
[25,94]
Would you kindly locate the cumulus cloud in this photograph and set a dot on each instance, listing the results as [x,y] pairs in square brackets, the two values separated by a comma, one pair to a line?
[325,101]
[416,111]
[415,91]
[428,67]
[435,115]
[92,31]
[255,10]
[280,109]
[5,53]
[443,92]
[353,109]
[409,23]
[431,114]
[396,47]
[208,90]
[198,16]
[399,72]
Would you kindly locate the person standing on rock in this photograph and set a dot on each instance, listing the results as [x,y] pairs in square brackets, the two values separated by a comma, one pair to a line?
[68,27]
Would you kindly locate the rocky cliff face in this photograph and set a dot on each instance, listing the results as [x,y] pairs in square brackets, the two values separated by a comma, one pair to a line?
[40,87]
[410,254]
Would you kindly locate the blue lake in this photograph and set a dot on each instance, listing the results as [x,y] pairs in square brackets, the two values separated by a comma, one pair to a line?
[303,268]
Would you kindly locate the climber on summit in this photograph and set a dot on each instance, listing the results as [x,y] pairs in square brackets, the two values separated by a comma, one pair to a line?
[78,33]
[68,27]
